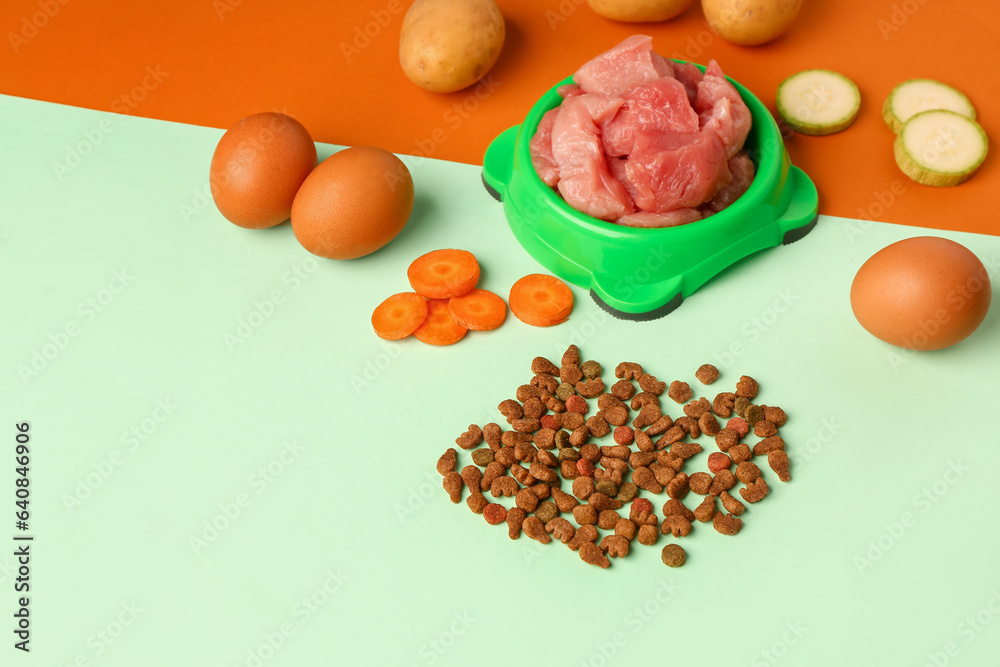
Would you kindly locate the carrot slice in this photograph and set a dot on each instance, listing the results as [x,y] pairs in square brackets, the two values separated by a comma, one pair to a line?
[399,315]
[442,274]
[440,328]
[479,310]
[540,300]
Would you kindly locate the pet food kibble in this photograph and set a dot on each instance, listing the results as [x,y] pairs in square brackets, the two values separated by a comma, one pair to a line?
[561,529]
[476,502]
[718,461]
[739,425]
[740,453]
[533,408]
[570,374]
[726,439]
[492,434]
[648,414]
[673,555]
[648,534]
[562,439]
[543,473]
[616,415]
[616,451]
[579,436]
[642,399]
[492,471]
[723,481]
[624,435]
[708,424]
[571,356]
[591,554]
[494,513]
[754,491]
[583,535]
[705,512]
[534,528]
[569,454]
[564,501]
[732,505]
[627,491]
[585,468]
[623,390]
[615,546]
[583,487]
[778,460]
[520,473]
[626,528]
[547,458]
[674,507]
[471,476]
[526,391]
[602,501]
[628,370]
[526,500]
[674,434]
[591,369]
[472,437]
[453,484]
[607,486]
[678,487]
[644,478]
[515,518]
[753,414]
[598,426]
[554,404]
[591,452]
[482,457]
[546,382]
[541,490]
[503,486]
[695,409]
[643,441]
[547,511]
[747,471]
[525,452]
[640,458]
[676,525]
[740,405]
[577,404]
[747,387]
[649,384]
[723,404]
[512,438]
[568,469]
[585,514]
[707,374]
[727,524]
[543,365]
[590,388]
[565,391]
[775,415]
[689,426]
[544,438]
[700,482]
[572,420]
[768,445]
[606,519]
[685,450]
[680,391]
[642,505]
[448,461]
[662,473]
[549,423]
[669,459]
[511,409]
[764,429]
[661,425]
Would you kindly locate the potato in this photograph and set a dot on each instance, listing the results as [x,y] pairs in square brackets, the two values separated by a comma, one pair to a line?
[447,45]
[750,22]
[639,11]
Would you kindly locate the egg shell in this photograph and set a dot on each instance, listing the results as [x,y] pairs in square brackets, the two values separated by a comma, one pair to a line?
[258,167]
[921,293]
[353,203]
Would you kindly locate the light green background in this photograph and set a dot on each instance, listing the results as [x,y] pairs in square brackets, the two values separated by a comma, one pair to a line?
[348,548]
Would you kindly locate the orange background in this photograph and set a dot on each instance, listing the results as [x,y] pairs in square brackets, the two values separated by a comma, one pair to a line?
[211,62]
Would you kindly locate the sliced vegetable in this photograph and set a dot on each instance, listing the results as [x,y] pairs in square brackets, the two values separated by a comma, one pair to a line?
[916,95]
[479,310]
[439,328]
[399,315]
[540,300]
[442,274]
[940,148]
[818,101]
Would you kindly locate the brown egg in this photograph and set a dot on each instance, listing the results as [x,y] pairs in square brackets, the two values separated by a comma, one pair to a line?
[258,167]
[353,203]
[921,293]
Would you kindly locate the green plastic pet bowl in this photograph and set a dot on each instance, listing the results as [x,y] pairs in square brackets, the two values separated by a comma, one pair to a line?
[644,273]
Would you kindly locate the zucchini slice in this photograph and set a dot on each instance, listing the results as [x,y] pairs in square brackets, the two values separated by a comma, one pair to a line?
[916,95]
[940,147]
[818,101]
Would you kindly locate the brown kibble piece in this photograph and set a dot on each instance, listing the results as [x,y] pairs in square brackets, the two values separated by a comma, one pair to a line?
[615,546]
[775,415]
[541,490]
[747,387]
[670,459]
[747,471]
[643,441]
[740,453]
[676,525]
[607,519]
[764,429]
[520,473]
[590,388]
[695,409]
[543,365]
[453,484]
[602,501]
[661,425]
[515,518]
[689,425]
[494,513]
[768,445]
[591,369]
[648,535]
[471,437]
[448,461]
[727,524]
[623,390]
[778,460]
[570,374]
[511,409]
[482,456]
[662,473]
[627,491]
[732,505]
[626,528]
[708,424]
[674,507]
[562,439]
[606,486]
[492,434]
[674,434]
[723,404]
[569,454]
[723,481]
[525,452]
[680,391]
[534,408]
[648,414]
[755,491]
[571,420]
[476,502]
[471,476]
[513,438]
[585,514]
[644,398]
[564,391]
[526,500]
[705,512]
[546,458]
[649,384]
[598,426]
[543,473]
[591,554]
[678,487]
[568,469]
[644,478]
[493,470]
[547,511]
[753,414]
[740,405]
[685,450]
[707,374]
[579,436]
[726,438]
[534,528]
[628,370]
[673,555]
[571,356]
[561,529]
[641,458]
[700,482]
[546,382]
[584,534]
[503,486]
[564,501]
[617,415]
